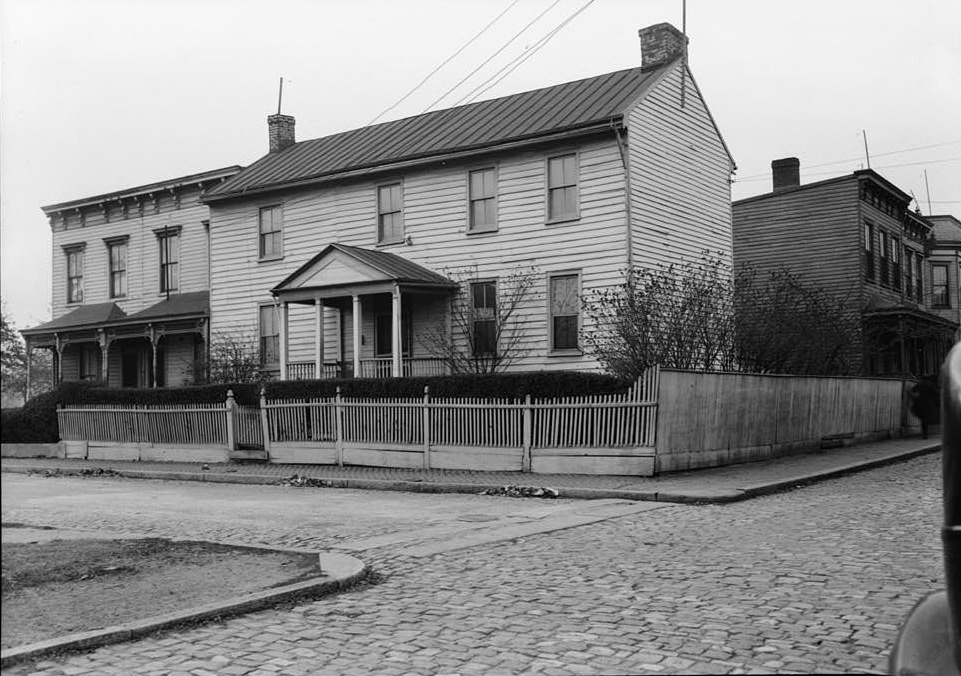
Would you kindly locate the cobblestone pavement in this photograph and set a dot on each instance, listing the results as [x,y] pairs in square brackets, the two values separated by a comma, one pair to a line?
[811,581]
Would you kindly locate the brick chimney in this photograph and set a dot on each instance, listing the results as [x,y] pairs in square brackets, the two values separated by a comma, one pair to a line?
[786,173]
[281,128]
[660,43]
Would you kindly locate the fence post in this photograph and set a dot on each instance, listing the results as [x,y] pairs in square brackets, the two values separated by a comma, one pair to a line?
[528,424]
[265,420]
[339,418]
[231,408]
[426,427]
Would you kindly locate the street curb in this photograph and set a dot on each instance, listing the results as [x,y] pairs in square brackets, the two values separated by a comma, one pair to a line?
[339,571]
[682,496]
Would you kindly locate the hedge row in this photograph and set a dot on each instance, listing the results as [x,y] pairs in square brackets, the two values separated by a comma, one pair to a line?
[36,422]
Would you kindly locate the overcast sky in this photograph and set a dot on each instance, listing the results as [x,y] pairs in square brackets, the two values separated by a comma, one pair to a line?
[102,95]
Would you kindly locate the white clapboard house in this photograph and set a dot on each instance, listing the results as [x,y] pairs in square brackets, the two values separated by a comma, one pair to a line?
[344,255]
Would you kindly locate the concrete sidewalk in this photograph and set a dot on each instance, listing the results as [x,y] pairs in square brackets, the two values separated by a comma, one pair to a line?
[713,485]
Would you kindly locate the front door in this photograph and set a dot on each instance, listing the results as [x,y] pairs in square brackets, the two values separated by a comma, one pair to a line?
[130,366]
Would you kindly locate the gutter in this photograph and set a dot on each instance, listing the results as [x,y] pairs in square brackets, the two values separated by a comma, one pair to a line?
[629,235]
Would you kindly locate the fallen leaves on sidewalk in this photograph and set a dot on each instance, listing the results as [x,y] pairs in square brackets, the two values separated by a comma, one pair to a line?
[522,492]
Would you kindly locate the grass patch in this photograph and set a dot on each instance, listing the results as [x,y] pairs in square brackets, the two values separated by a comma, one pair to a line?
[60,587]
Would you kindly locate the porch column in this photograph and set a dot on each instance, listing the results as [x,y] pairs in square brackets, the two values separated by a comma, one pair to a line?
[152,335]
[396,344]
[319,338]
[284,311]
[104,344]
[58,359]
[356,318]
[26,394]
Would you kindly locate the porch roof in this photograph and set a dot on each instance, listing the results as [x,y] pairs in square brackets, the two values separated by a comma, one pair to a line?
[178,306]
[85,316]
[340,266]
[904,312]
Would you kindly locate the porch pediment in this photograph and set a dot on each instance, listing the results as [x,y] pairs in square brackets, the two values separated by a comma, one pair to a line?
[340,266]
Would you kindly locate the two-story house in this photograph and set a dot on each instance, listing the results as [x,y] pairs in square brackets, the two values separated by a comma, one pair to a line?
[131,280]
[854,236]
[341,255]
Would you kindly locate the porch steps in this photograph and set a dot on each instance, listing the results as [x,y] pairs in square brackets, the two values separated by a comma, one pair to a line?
[248,455]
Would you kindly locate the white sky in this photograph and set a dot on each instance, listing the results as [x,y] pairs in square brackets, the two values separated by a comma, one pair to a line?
[102,95]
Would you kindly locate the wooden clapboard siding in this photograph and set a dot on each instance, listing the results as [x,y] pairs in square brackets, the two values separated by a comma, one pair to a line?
[680,177]
[143,252]
[825,239]
[435,219]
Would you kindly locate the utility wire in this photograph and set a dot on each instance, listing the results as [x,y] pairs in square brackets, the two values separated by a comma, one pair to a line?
[511,66]
[444,63]
[494,55]
[858,159]
[761,177]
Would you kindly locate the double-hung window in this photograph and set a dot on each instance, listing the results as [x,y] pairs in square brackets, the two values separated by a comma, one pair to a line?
[484,318]
[269,336]
[271,229]
[384,335]
[565,308]
[117,255]
[390,214]
[869,252]
[939,286]
[169,240]
[908,272]
[89,361]
[562,198]
[74,274]
[482,186]
[919,276]
[883,255]
[896,263]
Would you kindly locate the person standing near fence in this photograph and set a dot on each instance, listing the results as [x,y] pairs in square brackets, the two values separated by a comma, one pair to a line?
[926,403]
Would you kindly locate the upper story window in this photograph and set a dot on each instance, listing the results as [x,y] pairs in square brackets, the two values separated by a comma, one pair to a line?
[908,272]
[482,186]
[269,336]
[919,276]
[271,229]
[117,259]
[562,198]
[896,263]
[390,214]
[939,286]
[484,318]
[169,241]
[565,309]
[74,273]
[883,255]
[869,252]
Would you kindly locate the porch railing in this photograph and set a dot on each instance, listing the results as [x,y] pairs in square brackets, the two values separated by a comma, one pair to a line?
[380,367]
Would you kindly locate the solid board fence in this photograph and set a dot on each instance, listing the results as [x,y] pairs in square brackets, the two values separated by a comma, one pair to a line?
[159,424]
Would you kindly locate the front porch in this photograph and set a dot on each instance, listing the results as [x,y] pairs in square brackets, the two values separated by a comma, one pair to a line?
[355,313]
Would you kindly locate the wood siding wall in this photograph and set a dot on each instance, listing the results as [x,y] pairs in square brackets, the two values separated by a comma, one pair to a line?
[435,217]
[680,177]
[143,252]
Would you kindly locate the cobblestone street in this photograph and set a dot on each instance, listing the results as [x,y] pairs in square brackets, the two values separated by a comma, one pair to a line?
[814,580]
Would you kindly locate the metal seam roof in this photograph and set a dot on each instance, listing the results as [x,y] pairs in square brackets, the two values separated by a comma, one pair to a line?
[526,115]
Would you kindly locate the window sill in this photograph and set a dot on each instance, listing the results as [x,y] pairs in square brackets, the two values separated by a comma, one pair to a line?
[270,259]
[391,242]
[481,231]
[563,219]
[569,352]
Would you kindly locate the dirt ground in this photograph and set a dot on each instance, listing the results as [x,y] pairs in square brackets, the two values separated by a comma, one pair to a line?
[56,587]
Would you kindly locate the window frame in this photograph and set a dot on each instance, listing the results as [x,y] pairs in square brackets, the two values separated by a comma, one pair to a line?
[883,257]
[74,252]
[551,342]
[113,244]
[869,268]
[919,277]
[550,217]
[277,222]
[472,227]
[89,356]
[262,347]
[935,291]
[164,278]
[895,263]
[478,318]
[406,334]
[397,239]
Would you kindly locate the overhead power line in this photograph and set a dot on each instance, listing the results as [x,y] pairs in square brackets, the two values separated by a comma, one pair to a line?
[512,65]
[444,63]
[492,56]
[762,177]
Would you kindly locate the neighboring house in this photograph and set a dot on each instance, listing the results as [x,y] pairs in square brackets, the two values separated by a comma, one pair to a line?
[944,254]
[131,281]
[854,236]
[344,251]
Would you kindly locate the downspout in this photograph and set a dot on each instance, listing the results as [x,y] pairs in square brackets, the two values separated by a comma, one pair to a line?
[629,235]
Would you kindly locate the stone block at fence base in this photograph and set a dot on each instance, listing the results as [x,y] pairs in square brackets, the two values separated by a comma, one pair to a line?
[301,454]
[477,459]
[553,462]
[57,450]
[171,453]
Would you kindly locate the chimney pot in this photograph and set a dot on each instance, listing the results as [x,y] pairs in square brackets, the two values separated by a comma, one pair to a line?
[281,132]
[786,173]
[660,43]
